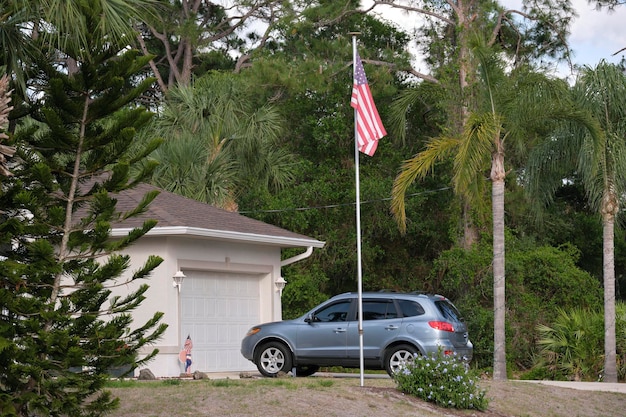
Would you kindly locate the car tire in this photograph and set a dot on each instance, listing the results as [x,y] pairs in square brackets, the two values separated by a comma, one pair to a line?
[306,370]
[398,356]
[273,358]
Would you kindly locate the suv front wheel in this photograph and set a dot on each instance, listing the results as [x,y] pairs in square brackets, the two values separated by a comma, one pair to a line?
[398,357]
[273,358]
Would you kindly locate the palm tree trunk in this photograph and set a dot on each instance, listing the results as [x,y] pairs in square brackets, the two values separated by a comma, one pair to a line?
[610,357]
[499,298]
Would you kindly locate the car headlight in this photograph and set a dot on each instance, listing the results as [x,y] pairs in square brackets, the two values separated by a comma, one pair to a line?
[253,331]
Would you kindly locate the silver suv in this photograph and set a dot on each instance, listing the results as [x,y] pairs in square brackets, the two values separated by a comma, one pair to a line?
[396,326]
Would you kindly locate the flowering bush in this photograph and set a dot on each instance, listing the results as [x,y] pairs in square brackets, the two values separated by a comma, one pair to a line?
[443,380]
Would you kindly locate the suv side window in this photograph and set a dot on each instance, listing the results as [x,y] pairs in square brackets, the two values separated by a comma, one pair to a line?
[410,308]
[379,310]
[334,312]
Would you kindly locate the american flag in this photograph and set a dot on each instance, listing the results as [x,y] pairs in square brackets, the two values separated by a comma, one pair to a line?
[369,127]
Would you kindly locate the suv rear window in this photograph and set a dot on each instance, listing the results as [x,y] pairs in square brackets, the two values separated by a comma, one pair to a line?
[448,310]
[410,308]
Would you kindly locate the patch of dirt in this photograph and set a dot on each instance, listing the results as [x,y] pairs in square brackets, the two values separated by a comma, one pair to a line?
[344,397]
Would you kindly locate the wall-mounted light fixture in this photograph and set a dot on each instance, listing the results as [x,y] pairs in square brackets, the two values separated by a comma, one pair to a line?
[178,279]
[280,284]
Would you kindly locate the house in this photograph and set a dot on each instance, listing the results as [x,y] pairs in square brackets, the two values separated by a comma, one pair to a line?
[232,277]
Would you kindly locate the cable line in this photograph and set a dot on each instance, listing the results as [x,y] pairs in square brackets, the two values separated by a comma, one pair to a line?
[328,206]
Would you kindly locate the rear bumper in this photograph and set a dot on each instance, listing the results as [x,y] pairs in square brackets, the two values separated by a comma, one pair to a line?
[465,353]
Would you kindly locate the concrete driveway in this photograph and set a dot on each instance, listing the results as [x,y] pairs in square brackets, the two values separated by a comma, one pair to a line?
[586,386]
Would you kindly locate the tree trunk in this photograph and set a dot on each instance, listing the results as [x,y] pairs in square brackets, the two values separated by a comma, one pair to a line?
[499,298]
[610,356]
[470,231]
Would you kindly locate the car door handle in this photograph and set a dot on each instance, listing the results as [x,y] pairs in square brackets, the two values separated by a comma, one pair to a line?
[339,330]
[392,327]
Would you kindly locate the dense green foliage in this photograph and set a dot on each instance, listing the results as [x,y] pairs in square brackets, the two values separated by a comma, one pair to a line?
[321,201]
[540,281]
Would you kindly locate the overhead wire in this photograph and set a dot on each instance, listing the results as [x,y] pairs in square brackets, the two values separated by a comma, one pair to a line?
[329,206]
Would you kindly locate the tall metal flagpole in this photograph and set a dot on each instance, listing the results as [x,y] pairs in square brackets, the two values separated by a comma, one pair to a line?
[358,219]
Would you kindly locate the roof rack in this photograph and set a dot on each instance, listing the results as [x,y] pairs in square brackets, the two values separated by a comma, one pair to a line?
[391,291]
[404,292]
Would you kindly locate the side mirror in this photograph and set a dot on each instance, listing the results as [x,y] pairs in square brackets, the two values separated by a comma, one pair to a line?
[310,318]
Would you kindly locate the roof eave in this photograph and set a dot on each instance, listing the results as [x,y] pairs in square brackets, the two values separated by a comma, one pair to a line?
[282,241]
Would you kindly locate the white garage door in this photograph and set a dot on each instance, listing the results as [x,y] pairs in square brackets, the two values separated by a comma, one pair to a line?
[217,309]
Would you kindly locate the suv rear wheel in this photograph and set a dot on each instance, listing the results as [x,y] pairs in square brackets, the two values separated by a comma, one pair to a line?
[273,358]
[398,357]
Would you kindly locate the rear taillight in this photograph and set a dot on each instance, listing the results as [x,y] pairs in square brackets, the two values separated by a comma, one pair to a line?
[441,325]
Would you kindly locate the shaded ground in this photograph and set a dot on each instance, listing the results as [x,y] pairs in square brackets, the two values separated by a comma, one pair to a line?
[324,396]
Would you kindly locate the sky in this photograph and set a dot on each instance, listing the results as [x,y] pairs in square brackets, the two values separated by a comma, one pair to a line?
[594,35]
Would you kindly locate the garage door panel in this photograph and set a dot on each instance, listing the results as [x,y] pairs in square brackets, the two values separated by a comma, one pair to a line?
[216,310]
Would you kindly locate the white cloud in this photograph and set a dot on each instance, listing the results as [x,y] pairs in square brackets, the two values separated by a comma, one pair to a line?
[597,35]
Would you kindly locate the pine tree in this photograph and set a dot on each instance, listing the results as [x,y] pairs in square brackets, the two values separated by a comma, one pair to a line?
[61,329]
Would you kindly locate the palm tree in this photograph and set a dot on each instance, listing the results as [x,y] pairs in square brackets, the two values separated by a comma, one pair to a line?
[114,19]
[515,108]
[26,25]
[599,162]
[218,142]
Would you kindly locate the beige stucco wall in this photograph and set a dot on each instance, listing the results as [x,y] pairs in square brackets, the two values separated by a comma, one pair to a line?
[198,254]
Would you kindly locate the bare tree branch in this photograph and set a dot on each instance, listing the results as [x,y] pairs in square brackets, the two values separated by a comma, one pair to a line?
[152,64]
[5,151]
[418,10]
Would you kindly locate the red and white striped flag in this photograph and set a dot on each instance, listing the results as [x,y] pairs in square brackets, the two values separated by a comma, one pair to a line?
[369,127]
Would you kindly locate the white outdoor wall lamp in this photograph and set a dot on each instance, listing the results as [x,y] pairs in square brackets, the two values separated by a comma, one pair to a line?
[178,279]
[280,285]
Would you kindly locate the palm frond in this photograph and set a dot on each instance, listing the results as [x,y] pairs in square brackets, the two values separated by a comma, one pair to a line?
[418,167]
[399,110]
[115,19]
[474,152]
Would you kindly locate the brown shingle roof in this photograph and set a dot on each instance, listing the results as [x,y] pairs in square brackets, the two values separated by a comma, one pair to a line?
[181,215]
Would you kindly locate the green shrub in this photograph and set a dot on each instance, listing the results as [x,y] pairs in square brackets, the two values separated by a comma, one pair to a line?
[539,280]
[572,347]
[443,380]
